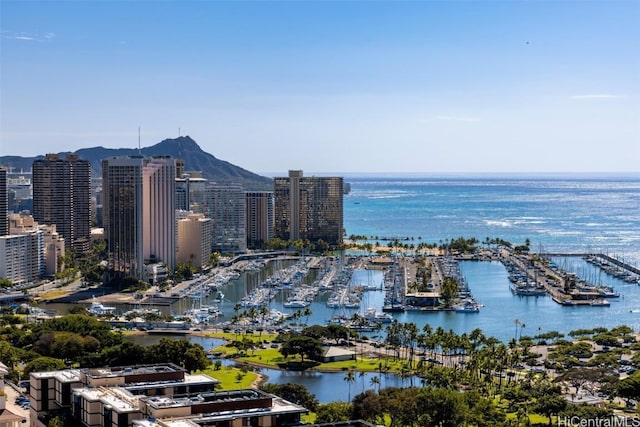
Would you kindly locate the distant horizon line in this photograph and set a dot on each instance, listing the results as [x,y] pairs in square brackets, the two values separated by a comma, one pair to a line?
[582,174]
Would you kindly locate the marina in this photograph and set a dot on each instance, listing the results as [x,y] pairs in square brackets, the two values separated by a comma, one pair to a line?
[493,303]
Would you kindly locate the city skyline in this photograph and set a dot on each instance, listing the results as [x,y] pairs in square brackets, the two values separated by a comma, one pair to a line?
[330,86]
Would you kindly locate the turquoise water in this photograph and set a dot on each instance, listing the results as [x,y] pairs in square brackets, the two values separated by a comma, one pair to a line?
[563,214]
[557,213]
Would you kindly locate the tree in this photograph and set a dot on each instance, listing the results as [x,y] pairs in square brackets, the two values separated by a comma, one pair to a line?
[449,289]
[56,422]
[629,388]
[580,377]
[375,381]
[350,378]
[367,406]
[441,407]
[122,354]
[295,393]
[191,357]
[303,346]
[333,412]
[43,364]
[336,332]
[550,405]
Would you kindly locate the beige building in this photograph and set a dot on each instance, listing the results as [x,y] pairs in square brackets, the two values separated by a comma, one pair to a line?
[194,239]
[54,244]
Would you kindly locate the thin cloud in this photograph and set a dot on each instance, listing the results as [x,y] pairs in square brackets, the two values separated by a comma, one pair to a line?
[24,36]
[458,119]
[597,96]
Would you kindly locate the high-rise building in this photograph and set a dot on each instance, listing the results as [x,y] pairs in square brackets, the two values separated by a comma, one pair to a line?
[228,223]
[23,223]
[259,218]
[194,239]
[122,215]
[138,213]
[4,203]
[159,212]
[19,190]
[309,208]
[22,256]
[191,192]
[62,196]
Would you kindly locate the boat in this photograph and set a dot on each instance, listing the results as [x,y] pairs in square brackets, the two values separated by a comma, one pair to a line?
[219,297]
[608,292]
[297,304]
[377,316]
[467,306]
[200,315]
[99,309]
[528,290]
[600,303]
[393,308]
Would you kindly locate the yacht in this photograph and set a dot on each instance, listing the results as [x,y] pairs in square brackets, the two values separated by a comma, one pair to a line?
[377,316]
[467,306]
[98,308]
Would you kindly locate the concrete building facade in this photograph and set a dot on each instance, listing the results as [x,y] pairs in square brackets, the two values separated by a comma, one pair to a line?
[228,217]
[62,196]
[194,239]
[260,218]
[191,192]
[4,203]
[22,257]
[138,198]
[151,395]
[309,208]
[122,215]
[158,213]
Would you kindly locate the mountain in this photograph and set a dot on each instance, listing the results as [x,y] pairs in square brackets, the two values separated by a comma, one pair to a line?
[195,159]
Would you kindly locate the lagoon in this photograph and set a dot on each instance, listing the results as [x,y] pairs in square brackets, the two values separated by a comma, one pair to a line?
[327,386]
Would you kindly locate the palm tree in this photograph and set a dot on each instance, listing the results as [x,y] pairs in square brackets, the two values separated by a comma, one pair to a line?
[350,378]
[375,381]
[306,313]
[362,374]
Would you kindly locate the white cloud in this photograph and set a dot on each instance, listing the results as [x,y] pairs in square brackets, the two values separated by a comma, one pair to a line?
[458,119]
[597,96]
[38,37]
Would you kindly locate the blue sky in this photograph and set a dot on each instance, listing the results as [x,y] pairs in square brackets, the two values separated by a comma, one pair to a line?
[330,86]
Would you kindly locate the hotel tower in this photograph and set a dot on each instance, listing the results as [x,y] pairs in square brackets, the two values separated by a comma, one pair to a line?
[309,208]
[62,197]
[139,213]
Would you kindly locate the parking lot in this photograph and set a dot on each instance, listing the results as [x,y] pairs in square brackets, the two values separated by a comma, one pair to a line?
[14,403]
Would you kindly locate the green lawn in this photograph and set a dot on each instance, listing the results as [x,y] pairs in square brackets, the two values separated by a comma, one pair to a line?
[271,357]
[231,378]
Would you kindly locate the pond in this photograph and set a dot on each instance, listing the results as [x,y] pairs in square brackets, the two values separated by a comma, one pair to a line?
[327,386]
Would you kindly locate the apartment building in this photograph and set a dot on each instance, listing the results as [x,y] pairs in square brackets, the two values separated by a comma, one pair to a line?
[309,208]
[151,395]
[62,196]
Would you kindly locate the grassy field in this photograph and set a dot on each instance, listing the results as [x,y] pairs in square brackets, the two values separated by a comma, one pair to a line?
[231,378]
[265,355]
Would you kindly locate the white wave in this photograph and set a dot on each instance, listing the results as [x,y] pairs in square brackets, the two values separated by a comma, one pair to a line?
[498,223]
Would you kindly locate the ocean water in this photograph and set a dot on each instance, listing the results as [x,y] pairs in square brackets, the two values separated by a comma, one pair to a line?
[556,213]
